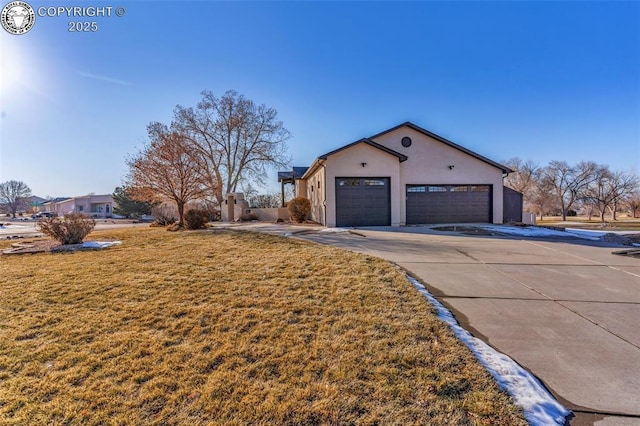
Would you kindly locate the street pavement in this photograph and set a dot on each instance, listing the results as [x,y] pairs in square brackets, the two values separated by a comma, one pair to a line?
[568,310]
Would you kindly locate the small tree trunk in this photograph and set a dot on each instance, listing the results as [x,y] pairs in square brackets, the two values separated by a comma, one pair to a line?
[613,211]
[602,215]
[180,212]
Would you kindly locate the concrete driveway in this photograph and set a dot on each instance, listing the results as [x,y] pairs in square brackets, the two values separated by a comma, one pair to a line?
[566,310]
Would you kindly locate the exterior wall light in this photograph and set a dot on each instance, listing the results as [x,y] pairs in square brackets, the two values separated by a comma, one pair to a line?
[451,166]
[364,164]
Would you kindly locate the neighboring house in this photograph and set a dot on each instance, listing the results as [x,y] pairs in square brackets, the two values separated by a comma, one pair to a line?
[34,204]
[99,206]
[403,176]
[51,206]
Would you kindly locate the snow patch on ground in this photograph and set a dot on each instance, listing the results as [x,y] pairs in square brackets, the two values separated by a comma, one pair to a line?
[586,233]
[99,244]
[334,230]
[14,225]
[536,231]
[539,406]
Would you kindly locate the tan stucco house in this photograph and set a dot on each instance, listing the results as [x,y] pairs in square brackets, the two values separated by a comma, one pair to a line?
[99,206]
[402,176]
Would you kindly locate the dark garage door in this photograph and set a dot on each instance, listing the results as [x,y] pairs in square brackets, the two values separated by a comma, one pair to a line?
[363,202]
[448,203]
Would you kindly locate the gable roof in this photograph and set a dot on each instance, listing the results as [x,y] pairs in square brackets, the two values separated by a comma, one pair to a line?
[318,161]
[419,129]
[371,143]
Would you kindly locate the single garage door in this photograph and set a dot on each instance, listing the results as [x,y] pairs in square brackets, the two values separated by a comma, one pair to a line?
[448,204]
[363,202]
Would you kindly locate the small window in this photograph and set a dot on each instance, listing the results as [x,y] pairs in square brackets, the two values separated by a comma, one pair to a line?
[349,182]
[416,189]
[373,182]
[437,189]
[406,142]
[318,183]
[80,208]
[459,188]
[481,188]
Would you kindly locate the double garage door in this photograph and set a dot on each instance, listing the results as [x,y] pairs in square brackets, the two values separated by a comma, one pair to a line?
[448,204]
[363,202]
[367,202]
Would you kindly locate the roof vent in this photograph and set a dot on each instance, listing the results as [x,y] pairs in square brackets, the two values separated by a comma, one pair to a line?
[406,141]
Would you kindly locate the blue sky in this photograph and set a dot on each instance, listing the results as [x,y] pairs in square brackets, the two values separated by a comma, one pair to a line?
[539,80]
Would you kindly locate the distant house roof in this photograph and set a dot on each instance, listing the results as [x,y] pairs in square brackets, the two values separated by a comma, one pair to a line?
[409,124]
[294,174]
[36,201]
[56,200]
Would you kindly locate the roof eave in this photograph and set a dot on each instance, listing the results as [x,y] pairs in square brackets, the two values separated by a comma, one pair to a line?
[369,142]
[312,168]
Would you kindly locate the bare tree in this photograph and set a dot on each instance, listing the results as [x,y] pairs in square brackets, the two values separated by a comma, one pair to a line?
[265,200]
[623,186]
[542,199]
[525,179]
[633,201]
[567,183]
[14,195]
[525,175]
[608,190]
[231,139]
[165,169]
[598,193]
[248,190]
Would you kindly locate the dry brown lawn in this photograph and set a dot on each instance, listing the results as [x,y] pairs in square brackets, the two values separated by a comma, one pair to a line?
[216,327]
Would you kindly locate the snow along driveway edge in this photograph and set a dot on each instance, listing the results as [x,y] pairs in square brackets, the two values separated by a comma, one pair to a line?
[539,406]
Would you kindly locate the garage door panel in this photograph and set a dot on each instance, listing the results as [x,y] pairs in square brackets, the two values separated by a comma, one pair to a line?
[363,202]
[448,203]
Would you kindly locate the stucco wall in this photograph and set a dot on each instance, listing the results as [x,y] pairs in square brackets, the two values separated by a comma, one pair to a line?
[315,191]
[270,214]
[348,163]
[66,206]
[97,199]
[428,162]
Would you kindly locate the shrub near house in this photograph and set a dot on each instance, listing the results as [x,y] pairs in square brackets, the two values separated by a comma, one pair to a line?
[70,229]
[196,218]
[299,208]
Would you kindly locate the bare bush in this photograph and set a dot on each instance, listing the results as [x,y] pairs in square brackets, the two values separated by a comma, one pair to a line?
[70,229]
[247,217]
[196,218]
[299,208]
[164,215]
